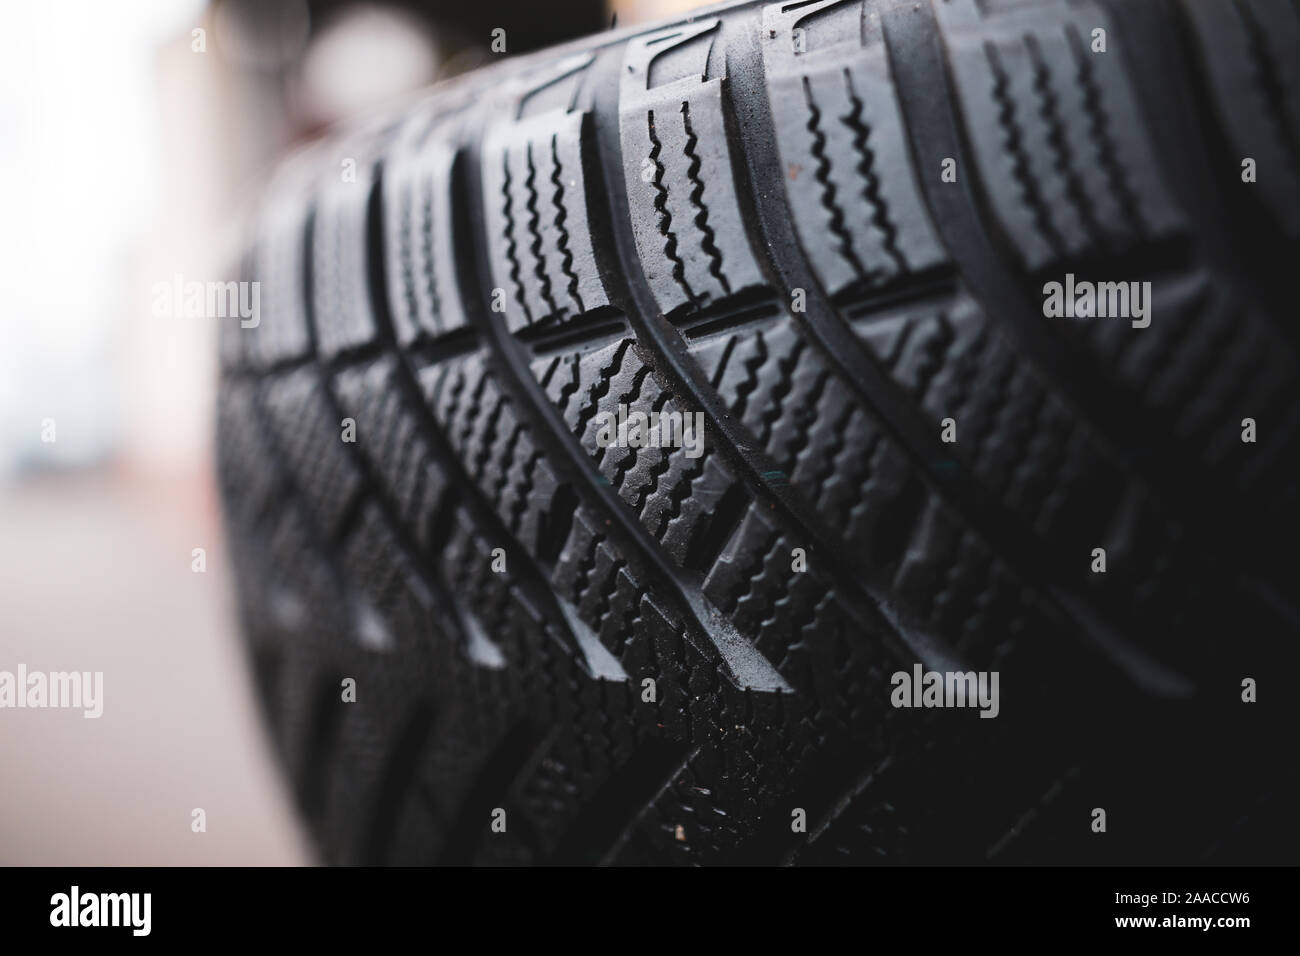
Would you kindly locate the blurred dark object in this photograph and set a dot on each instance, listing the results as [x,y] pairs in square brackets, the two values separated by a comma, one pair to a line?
[307,64]
[531,24]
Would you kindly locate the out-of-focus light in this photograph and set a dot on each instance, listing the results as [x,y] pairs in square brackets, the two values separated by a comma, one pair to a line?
[364,57]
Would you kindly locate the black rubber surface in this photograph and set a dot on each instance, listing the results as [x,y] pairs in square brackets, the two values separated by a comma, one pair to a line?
[745,214]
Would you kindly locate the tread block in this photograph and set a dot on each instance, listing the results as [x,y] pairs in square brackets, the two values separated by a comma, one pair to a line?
[341,305]
[419,245]
[277,263]
[312,446]
[389,603]
[850,184]
[249,487]
[389,435]
[535,196]
[1249,53]
[1059,141]
[1203,367]
[1015,432]
[673,489]
[681,192]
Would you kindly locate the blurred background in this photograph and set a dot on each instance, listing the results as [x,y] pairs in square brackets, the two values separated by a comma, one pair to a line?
[134,137]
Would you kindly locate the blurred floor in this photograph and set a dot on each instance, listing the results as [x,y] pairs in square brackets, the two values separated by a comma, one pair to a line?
[95,574]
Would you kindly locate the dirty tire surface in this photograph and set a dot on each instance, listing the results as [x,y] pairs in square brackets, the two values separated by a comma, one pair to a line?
[825,227]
